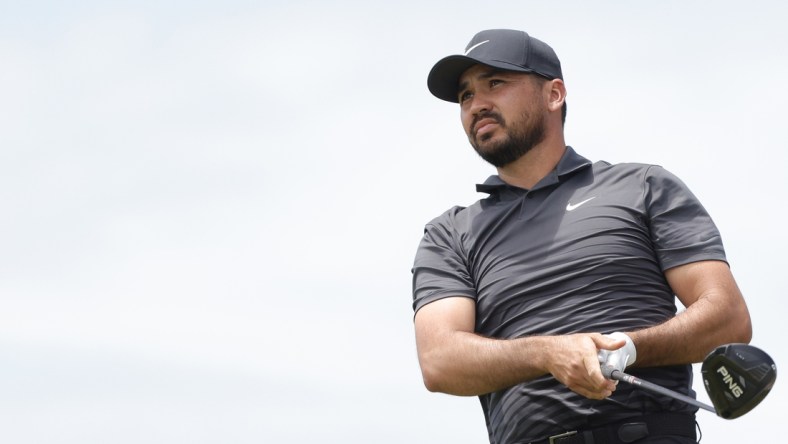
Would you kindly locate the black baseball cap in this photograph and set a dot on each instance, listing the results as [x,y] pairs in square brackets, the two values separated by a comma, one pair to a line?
[499,48]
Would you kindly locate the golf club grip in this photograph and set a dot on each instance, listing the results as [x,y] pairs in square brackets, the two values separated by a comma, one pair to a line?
[613,373]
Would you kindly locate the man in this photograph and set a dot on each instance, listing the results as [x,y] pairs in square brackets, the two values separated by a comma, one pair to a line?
[517,295]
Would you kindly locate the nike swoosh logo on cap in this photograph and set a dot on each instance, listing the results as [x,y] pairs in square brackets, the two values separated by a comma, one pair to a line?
[570,207]
[475,46]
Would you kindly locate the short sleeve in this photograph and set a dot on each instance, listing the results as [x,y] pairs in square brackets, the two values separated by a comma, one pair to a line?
[681,229]
[440,268]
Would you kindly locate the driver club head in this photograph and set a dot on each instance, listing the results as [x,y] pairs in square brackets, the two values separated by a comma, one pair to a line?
[737,377]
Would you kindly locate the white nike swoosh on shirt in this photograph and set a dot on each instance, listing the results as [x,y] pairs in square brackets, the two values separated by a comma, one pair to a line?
[570,207]
[475,46]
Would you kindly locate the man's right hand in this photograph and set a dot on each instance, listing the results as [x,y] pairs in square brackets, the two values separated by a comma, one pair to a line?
[573,360]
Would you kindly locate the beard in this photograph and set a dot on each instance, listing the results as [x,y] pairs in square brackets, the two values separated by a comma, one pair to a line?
[520,138]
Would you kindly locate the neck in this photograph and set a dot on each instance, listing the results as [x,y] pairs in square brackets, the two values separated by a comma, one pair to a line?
[537,163]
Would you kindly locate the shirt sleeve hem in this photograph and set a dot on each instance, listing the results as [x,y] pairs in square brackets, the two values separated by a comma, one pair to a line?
[417,305]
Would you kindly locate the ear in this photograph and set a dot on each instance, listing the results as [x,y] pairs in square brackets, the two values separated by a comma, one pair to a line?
[557,95]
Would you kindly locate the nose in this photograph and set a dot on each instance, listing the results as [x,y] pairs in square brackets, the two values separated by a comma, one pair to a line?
[479,104]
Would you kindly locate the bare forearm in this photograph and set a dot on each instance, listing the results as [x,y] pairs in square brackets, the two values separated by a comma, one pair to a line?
[457,361]
[468,364]
[718,316]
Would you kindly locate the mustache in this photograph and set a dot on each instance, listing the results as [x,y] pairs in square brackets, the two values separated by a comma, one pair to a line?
[487,115]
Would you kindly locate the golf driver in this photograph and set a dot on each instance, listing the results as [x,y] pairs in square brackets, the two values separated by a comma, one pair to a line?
[737,377]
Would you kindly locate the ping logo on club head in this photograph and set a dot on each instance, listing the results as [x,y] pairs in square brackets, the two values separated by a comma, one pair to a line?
[727,378]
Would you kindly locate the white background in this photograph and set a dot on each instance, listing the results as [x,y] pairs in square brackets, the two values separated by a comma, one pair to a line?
[210,209]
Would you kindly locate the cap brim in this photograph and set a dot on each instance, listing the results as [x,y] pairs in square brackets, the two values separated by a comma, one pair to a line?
[444,78]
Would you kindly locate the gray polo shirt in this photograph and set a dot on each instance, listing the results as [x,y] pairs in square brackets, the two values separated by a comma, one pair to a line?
[585,250]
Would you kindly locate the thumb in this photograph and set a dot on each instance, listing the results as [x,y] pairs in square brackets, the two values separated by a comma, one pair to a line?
[610,342]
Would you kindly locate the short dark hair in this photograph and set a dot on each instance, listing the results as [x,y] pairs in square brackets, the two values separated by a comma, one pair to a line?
[563,114]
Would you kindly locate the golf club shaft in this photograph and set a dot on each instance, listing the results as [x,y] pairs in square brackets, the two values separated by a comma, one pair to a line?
[612,373]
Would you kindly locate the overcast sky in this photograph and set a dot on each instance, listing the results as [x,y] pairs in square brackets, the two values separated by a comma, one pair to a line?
[211,208]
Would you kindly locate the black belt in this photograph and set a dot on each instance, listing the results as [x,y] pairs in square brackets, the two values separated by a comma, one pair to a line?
[629,430]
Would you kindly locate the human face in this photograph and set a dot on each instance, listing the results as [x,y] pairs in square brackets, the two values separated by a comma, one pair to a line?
[502,113]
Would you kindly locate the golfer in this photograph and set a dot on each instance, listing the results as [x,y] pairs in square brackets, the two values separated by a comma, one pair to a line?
[563,263]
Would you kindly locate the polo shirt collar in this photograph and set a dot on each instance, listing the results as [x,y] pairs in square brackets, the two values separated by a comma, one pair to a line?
[570,163]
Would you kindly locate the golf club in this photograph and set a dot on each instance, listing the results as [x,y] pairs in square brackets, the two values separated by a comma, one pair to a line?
[737,377]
